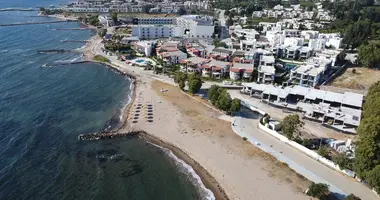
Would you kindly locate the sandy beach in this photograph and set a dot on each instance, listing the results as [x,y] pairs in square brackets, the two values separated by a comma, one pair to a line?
[229,166]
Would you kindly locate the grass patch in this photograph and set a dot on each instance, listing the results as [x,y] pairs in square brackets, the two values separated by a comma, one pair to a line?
[101,58]
[257,20]
[245,139]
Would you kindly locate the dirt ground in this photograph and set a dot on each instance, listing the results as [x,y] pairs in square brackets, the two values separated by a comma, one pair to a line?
[362,79]
[204,120]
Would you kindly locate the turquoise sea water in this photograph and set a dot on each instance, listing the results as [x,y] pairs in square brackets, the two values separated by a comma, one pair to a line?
[44,109]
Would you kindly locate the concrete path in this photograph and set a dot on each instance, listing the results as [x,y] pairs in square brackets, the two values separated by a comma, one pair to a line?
[247,125]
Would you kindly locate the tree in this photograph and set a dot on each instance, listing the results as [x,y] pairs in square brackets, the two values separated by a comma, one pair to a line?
[146,8]
[229,22]
[213,93]
[302,27]
[114,17]
[318,190]
[235,105]
[323,151]
[182,85]
[352,197]
[224,100]
[369,54]
[93,20]
[343,161]
[373,178]
[102,32]
[367,154]
[306,143]
[226,13]
[194,83]
[181,11]
[357,34]
[290,125]
[180,78]
[266,119]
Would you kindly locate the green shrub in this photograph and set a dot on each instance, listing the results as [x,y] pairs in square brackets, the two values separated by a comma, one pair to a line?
[101,58]
[318,190]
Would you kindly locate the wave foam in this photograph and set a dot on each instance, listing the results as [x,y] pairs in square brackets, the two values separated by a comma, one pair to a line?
[69,61]
[205,193]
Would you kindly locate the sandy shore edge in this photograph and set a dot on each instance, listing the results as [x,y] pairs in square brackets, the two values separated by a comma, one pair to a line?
[208,180]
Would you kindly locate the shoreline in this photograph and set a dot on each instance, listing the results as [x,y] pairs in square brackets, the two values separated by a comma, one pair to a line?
[207,179]
[223,187]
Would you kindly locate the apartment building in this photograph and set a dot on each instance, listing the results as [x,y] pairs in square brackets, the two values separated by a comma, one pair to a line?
[266,70]
[192,64]
[155,20]
[143,47]
[248,34]
[341,111]
[196,26]
[291,33]
[173,56]
[291,52]
[310,73]
[156,31]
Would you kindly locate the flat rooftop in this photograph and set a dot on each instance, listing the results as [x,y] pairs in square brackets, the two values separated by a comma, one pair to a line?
[347,98]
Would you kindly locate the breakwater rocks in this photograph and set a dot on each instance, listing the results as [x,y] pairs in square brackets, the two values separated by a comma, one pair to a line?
[108,135]
[41,22]
[54,51]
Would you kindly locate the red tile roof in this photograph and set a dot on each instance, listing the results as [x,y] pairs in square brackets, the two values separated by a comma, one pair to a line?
[215,68]
[206,66]
[234,70]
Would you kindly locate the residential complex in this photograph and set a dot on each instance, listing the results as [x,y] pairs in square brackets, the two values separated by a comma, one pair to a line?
[336,110]
[188,26]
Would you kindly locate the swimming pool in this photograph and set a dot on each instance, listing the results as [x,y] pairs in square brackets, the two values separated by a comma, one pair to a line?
[140,61]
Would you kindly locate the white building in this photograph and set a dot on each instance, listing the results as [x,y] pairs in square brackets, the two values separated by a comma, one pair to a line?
[266,70]
[332,39]
[310,73]
[291,52]
[156,20]
[248,34]
[173,56]
[192,64]
[293,41]
[291,33]
[106,20]
[269,26]
[156,31]
[275,38]
[305,53]
[143,47]
[309,34]
[196,26]
[317,44]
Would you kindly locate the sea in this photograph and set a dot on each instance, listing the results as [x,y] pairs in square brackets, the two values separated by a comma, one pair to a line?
[43,109]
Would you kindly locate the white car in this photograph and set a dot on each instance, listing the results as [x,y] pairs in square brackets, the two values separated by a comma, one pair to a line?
[227,83]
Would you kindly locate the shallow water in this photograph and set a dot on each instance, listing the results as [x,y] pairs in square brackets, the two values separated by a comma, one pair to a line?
[44,109]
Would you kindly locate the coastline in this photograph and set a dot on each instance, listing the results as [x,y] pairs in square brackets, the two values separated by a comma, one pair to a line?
[230,171]
[208,180]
